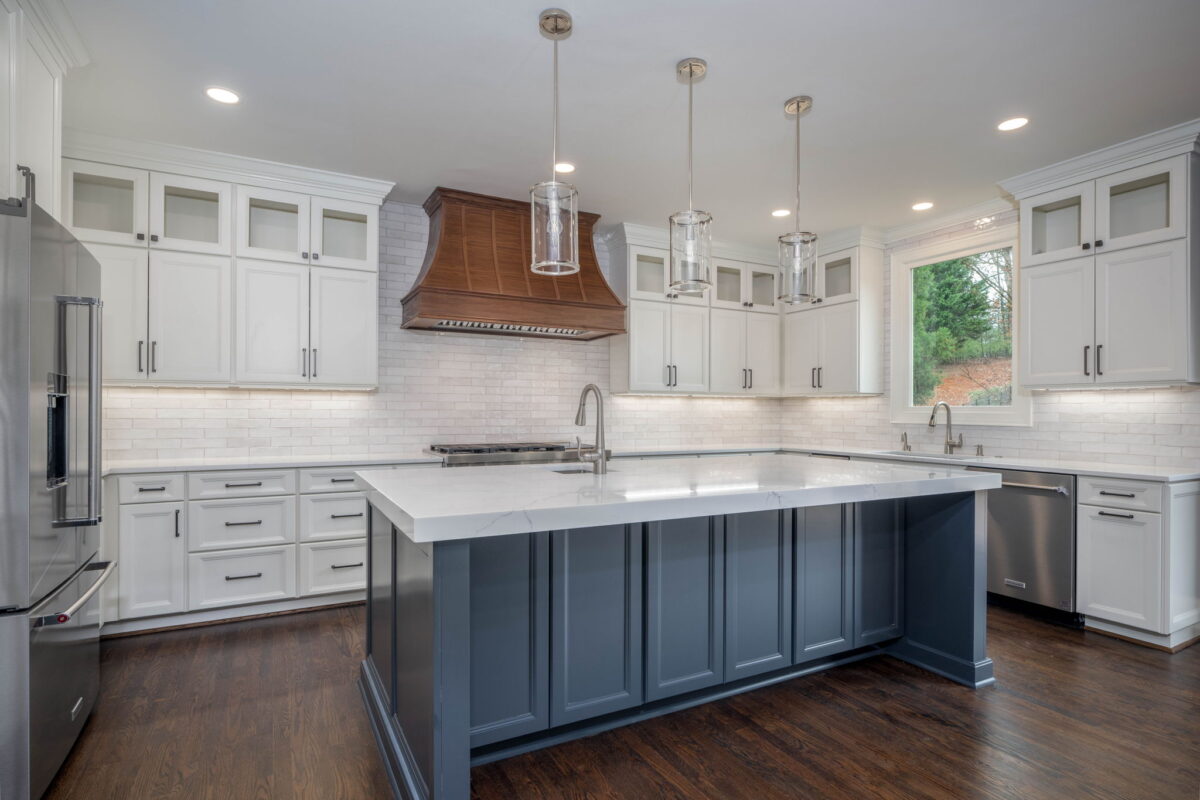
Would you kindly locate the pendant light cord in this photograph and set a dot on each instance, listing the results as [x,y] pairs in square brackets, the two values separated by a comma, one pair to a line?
[554,146]
[796,219]
[691,71]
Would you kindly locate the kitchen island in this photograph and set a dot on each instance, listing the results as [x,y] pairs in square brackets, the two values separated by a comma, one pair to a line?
[512,608]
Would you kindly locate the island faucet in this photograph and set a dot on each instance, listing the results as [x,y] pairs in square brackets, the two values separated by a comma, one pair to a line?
[598,456]
[951,444]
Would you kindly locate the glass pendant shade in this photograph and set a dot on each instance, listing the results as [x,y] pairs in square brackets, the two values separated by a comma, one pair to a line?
[555,232]
[691,251]
[798,267]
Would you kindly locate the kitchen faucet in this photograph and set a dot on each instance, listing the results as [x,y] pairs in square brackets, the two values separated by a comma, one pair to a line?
[598,456]
[950,443]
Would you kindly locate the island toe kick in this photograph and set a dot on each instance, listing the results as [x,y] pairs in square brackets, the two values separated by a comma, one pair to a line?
[485,647]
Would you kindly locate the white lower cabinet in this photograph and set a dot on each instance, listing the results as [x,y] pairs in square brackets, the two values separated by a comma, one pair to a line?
[1120,566]
[327,567]
[152,571]
[235,577]
[224,524]
[333,516]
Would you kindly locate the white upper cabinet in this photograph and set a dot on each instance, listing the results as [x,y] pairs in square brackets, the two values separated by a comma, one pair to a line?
[190,316]
[649,276]
[272,224]
[648,344]
[1057,323]
[191,214]
[1142,329]
[271,322]
[838,371]
[1143,205]
[744,353]
[106,204]
[689,349]
[802,353]
[837,276]
[343,334]
[344,234]
[1058,224]
[742,286]
[124,276]
[831,351]
[763,346]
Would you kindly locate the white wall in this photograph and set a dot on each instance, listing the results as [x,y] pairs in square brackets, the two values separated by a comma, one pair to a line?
[1160,426]
[434,387]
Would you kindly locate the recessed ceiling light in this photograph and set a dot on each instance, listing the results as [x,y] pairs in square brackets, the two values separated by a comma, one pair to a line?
[564,167]
[227,96]
[1013,124]
[924,205]
[780,212]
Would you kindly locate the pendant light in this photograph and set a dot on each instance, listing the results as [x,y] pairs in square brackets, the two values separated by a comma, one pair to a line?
[798,249]
[691,230]
[554,204]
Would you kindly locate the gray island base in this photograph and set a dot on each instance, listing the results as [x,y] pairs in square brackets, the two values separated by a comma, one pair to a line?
[514,608]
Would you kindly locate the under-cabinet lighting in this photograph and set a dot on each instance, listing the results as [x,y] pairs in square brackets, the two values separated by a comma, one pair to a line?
[564,167]
[226,96]
[924,205]
[1012,124]
[780,212]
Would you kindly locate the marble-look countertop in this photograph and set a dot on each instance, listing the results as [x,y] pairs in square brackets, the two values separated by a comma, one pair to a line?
[132,467]
[448,504]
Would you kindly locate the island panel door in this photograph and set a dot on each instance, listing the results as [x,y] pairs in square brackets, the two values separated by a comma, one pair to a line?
[758,593]
[824,613]
[595,621]
[510,636]
[878,572]
[685,605]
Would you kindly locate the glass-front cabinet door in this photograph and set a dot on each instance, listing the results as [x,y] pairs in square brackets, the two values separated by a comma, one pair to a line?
[344,234]
[1058,224]
[190,214]
[272,225]
[743,287]
[1142,205]
[761,288]
[105,204]
[649,274]
[837,277]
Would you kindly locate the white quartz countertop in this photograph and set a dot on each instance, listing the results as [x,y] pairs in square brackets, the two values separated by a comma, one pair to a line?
[132,467]
[448,504]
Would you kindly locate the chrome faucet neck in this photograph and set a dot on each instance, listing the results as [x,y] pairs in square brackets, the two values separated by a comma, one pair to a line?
[598,456]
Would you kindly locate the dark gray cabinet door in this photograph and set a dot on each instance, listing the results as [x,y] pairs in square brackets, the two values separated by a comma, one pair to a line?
[510,636]
[596,621]
[758,593]
[878,575]
[824,613]
[381,616]
[685,605]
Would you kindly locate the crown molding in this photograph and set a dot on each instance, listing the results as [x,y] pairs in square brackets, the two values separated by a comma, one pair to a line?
[976,213]
[235,169]
[844,238]
[55,27]
[1178,139]
[624,234]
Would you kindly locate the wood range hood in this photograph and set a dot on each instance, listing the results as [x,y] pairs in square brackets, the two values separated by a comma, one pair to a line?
[476,276]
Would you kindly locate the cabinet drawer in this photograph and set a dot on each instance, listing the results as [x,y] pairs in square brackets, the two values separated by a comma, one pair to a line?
[251,483]
[333,567]
[228,578]
[225,524]
[151,488]
[334,479]
[1117,493]
[333,516]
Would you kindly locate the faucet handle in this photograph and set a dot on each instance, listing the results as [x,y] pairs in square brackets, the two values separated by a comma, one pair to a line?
[589,456]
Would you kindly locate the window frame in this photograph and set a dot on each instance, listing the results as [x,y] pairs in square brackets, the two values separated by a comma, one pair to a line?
[903,262]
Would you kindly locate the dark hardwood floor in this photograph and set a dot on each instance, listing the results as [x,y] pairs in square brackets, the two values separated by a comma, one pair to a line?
[269,709]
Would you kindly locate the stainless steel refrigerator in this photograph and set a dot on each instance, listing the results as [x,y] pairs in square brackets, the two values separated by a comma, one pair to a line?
[50,576]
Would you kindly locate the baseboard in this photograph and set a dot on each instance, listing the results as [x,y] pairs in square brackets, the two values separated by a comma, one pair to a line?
[402,771]
[218,616]
[1168,642]
[975,674]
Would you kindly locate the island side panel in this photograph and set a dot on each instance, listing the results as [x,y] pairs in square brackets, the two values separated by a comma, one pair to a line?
[945,597]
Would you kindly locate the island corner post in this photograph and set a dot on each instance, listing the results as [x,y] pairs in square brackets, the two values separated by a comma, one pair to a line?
[416,678]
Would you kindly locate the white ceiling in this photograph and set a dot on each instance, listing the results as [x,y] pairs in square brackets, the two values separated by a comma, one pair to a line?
[456,93]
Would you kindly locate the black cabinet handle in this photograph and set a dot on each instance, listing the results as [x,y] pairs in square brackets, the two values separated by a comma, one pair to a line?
[241,524]
[243,485]
[177,523]
[751,379]
[1099,243]
[304,255]
[154,356]
[163,489]
[346,516]
[1086,246]
[813,378]
[341,480]
[1087,348]
[303,362]
[744,379]
[1099,371]
[242,577]
[316,256]
[154,237]
[820,378]
[141,237]
[345,566]
[314,353]
[1117,494]
[1110,514]
[141,346]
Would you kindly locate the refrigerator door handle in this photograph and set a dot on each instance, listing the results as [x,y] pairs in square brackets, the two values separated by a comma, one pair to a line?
[94,493]
[63,617]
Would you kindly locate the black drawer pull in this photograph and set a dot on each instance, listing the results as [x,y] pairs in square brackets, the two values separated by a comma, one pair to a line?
[1110,514]
[152,488]
[240,524]
[242,485]
[242,577]
[1117,494]
[345,516]
[341,480]
[345,566]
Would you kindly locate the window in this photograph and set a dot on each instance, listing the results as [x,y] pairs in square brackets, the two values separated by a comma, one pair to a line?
[953,326]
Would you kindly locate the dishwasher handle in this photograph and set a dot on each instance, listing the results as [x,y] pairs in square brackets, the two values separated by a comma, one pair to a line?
[1057,489]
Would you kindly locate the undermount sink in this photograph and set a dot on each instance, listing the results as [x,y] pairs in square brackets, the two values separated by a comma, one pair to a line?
[575,470]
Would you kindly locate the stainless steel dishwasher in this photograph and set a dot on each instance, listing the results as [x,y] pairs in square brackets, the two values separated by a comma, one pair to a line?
[1031,537]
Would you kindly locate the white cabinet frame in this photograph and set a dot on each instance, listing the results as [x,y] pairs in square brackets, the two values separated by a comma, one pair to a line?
[299,252]
[159,184]
[370,259]
[1085,193]
[139,199]
[1176,198]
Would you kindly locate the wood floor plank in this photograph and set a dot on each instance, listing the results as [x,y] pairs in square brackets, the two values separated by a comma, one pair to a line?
[269,708]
